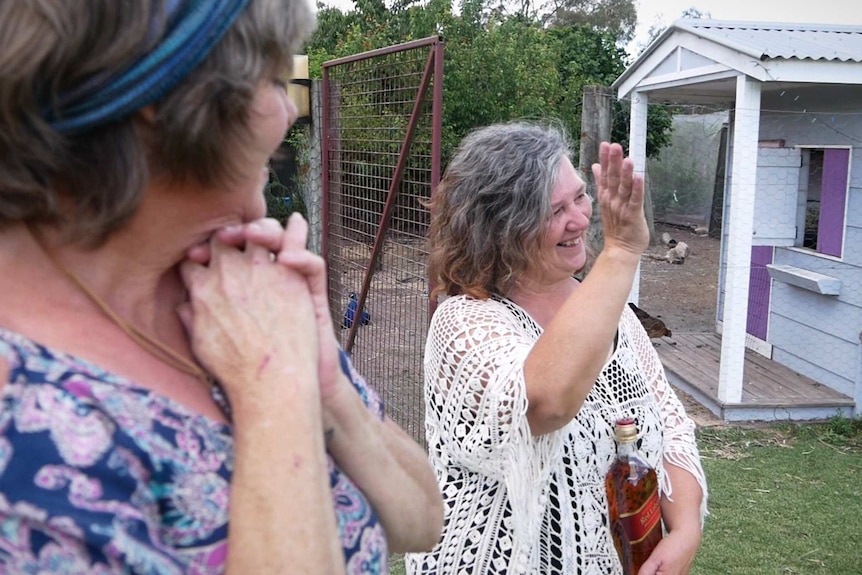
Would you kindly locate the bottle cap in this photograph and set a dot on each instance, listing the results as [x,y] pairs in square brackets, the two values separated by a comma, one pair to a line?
[625,430]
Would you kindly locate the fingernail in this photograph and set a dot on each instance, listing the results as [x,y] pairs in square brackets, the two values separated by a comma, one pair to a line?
[233,228]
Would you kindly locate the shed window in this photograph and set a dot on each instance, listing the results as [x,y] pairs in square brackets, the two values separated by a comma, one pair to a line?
[823,184]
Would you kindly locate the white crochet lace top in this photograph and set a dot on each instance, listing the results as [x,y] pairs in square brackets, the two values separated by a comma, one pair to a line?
[515,503]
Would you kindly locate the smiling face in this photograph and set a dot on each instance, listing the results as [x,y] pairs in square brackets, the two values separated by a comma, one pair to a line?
[564,242]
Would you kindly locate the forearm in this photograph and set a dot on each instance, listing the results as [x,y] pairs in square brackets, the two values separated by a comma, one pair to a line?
[390,469]
[568,357]
[281,476]
[681,511]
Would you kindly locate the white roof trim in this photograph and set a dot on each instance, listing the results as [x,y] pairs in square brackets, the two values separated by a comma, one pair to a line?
[637,73]
[637,76]
[706,74]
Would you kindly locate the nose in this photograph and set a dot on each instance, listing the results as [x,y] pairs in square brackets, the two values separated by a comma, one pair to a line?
[579,218]
[292,112]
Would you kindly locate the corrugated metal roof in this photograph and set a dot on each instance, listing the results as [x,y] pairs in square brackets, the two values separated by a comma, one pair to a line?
[779,40]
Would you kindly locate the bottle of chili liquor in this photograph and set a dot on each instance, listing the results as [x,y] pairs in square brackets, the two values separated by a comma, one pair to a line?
[633,501]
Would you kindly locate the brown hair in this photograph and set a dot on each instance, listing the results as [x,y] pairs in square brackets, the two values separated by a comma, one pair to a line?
[92,182]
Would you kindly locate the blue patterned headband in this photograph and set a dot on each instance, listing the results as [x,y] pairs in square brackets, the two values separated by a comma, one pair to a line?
[193,28]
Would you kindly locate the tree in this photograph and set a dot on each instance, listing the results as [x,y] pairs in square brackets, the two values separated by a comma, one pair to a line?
[657,28]
[615,17]
[659,127]
[585,56]
[499,65]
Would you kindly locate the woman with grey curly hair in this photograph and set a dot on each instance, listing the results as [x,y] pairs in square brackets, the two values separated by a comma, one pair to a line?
[527,369]
[172,395]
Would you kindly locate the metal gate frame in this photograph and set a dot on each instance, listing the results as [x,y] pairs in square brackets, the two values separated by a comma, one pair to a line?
[353,89]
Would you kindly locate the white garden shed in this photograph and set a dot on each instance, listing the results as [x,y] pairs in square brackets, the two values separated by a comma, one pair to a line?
[790,285]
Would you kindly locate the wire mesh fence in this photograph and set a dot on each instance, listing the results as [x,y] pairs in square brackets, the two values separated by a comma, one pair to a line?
[381,160]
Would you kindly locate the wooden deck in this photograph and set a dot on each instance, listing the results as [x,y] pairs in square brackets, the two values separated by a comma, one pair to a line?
[770,391]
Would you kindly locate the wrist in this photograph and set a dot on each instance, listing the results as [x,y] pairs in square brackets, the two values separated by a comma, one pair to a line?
[337,405]
[620,255]
[265,397]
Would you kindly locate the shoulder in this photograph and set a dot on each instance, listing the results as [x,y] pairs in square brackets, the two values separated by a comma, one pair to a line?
[464,310]
[468,329]
[630,324]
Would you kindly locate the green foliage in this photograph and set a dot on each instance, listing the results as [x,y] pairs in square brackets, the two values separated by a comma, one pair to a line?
[659,127]
[503,71]
[584,57]
[499,66]
[783,500]
[284,198]
[839,431]
[617,18]
[279,200]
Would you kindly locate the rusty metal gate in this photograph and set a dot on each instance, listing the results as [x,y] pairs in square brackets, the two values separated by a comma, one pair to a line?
[382,114]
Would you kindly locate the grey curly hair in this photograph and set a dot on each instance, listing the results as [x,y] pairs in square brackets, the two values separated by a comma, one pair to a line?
[490,211]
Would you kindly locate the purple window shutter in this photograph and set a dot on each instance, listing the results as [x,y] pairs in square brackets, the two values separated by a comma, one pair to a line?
[833,195]
[758,292]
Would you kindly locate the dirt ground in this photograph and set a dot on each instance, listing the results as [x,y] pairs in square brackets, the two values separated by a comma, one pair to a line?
[684,295]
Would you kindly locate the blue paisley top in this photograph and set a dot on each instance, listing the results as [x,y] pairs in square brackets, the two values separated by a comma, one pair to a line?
[100,476]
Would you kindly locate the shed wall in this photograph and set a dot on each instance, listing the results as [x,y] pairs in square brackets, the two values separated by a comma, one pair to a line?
[819,335]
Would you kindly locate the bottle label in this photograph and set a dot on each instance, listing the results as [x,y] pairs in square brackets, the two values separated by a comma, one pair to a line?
[641,523]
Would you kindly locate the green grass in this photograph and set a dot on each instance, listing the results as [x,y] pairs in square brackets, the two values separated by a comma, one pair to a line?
[396,565]
[784,500]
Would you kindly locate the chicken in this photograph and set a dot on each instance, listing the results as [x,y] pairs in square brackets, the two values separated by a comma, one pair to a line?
[654,327]
[675,255]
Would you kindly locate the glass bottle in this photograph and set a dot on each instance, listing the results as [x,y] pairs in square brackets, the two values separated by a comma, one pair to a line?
[633,501]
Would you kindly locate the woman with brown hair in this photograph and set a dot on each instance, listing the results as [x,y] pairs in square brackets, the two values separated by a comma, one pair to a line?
[172,397]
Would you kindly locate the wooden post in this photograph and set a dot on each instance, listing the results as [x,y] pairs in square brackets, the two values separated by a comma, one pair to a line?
[649,210]
[717,210]
[595,128]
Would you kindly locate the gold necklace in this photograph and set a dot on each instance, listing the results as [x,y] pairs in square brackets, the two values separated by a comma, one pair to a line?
[148,343]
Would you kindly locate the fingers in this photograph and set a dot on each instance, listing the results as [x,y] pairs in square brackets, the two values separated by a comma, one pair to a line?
[266,232]
[199,253]
[190,270]
[614,167]
[184,310]
[637,187]
[295,234]
[309,265]
[259,241]
[614,173]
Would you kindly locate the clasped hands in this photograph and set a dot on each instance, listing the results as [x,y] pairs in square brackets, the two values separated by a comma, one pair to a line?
[258,300]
